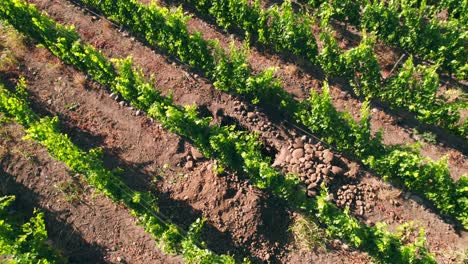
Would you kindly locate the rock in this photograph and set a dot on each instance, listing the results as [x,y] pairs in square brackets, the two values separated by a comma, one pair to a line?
[138,112]
[298,143]
[319,178]
[353,169]
[309,149]
[337,171]
[327,156]
[281,157]
[189,165]
[308,165]
[311,186]
[361,211]
[298,153]
[295,168]
[188,158]
[325,171]
[288,159]
[197,155]
[313,177]
[311,193]
[344,95]
[318,169]
[251,115]
[293,161]
[317,154]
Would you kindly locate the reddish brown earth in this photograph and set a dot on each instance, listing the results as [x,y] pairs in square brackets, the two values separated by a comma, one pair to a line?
[240,219]
[85,226]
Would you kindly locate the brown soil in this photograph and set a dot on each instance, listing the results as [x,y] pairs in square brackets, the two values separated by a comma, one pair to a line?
[85,226]
[240,219]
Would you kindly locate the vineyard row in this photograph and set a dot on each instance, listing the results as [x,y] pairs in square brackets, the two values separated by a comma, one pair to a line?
[238,150]
[143,205]
[231,73]
[414,88]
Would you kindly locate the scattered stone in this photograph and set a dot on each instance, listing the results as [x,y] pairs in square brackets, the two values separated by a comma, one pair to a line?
[298,143]
[325,171]
[251,115]
[337,171]
[295,168]
[327,156]
[189,165]
[313,177]
[344,95]
[353,169]
[309,149]
[318,153]
[281,157]
[312,186]
[293,161]
[197,155]
[138,112]
[298,153]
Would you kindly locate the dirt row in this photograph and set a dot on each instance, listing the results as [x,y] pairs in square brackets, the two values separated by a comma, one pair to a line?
[280,138]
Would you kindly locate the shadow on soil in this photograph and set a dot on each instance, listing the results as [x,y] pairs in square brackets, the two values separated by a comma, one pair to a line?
[63,236]
[179,212]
